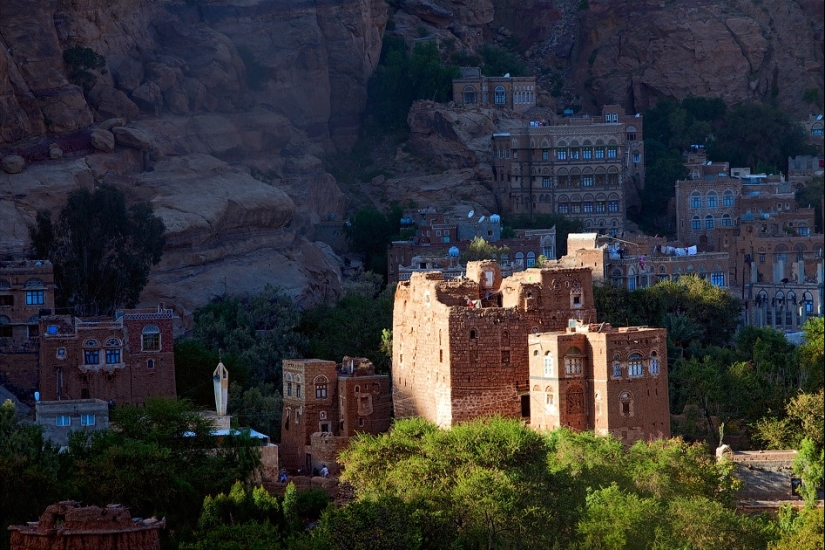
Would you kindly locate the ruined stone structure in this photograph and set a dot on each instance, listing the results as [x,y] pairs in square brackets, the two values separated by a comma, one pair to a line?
[586,168]
[517,93]
[460,347]
[68,526]
[596,377]
[327,403]
[124,359]
[26,291]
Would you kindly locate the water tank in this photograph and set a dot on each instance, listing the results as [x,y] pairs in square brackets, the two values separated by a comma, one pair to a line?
[453,252]
[495,218]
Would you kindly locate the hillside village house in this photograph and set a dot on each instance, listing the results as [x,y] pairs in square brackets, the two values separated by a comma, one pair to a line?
[478,346]
[325,404]
[517,93]
[581,167]
[125,359]
[26,291]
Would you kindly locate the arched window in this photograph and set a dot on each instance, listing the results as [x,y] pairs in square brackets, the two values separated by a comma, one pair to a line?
[696,200]
[519,259]
[781,253]
[654,362]
[634,365]
[573,361]
[321,387]
[617,370]
[726,220]
[91,353]
[799,252]
[469,95]
[712,200]
[531,259]
[708,222]
[150,338]
[288,385]
[500,96]
[808,302]
[696,223]
[727,198]
[34,283]
[112,351]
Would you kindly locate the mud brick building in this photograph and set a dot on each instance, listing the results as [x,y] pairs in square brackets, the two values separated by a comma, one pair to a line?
[460,346]
[26,291]
[596,377]
[587,168]
[68,526]
[124,359]
[517,93]
[327,403]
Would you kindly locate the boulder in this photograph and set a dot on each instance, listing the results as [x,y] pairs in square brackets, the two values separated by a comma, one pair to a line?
[177,100]
[133,137]
[13,164]
[111,102]
[148,97]
[129,74]
[103,140]
[163,75]
[111,123]
[55,152]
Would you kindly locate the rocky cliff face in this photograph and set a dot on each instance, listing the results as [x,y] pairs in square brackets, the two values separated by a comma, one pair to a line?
[201,96]
[634,53]
[224,109]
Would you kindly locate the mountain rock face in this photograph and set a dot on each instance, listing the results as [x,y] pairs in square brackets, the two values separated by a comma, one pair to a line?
[193,98]
[225,113]
[634,53]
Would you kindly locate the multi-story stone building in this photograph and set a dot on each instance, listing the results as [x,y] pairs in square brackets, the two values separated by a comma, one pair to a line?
[124,359]
[325,404]
[596,377]
[581,167]
[476,347]
[803,167]
[710,209]
[517,93]
[26,292]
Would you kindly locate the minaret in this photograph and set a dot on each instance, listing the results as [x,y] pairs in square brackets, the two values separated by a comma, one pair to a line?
[220,381]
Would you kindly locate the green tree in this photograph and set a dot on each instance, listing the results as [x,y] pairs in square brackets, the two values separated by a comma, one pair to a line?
[480,249]
[812,354]
[354,326]
[617,520]
[756,133]
[498,61]
[380,524]
[28,471]
[809,465]
[441,473]
[102,251]
[158,459]
[254,333]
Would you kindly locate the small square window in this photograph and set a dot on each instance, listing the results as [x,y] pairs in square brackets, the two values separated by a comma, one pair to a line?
[87,420]
[63,420]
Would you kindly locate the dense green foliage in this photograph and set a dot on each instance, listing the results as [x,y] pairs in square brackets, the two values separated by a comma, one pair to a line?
[564,226]
[480,249]
[401,78]
[708,309]
[79,61]
[353,326]
[28,471]
[254,333]
[102,251]
[755,135]
[369,231]
[157,459]
[760,136]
